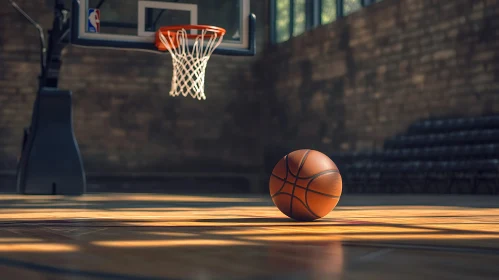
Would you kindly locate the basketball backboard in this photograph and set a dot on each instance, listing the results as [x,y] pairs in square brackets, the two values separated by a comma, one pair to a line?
[131,24]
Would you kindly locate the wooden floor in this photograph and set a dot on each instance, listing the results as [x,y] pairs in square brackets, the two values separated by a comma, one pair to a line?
[140,236]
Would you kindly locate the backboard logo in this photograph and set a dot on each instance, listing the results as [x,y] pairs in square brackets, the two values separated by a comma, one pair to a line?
[93,20]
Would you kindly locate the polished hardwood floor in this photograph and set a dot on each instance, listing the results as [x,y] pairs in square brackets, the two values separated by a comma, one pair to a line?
[153,236]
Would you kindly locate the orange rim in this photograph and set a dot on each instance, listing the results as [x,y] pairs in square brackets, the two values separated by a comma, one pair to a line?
[172,30]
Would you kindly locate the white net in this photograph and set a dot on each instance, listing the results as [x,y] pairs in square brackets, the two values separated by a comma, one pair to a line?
[189,64]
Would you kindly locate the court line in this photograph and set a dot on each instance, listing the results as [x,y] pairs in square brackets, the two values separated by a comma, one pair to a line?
[72,272]
[375,254]
[440,248]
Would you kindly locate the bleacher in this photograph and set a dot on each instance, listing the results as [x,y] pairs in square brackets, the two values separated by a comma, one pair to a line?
[458,155]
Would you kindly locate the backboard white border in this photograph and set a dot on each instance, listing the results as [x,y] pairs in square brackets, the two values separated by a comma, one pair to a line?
[143,5]
[83,35]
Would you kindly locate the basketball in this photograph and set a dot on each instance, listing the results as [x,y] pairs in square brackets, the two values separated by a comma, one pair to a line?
[305,185]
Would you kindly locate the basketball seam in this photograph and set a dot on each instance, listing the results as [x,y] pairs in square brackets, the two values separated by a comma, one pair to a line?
[305,188]
[302,163]
[286,177]
[310,177]
[304,205]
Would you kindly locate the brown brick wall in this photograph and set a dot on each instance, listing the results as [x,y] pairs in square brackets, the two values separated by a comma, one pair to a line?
[350,84]
[123,117]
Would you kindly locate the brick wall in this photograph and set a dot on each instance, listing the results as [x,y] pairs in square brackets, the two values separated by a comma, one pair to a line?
[350,84]
[124,119]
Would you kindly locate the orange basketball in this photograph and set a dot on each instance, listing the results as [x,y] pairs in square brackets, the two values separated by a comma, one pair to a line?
[305,185]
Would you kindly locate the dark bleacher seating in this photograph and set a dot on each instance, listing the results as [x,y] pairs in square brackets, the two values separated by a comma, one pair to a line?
[465,152]
[433,156]
[468,137]
[451,125]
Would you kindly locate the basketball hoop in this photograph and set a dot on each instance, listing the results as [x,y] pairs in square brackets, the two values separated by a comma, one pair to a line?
[189,64]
